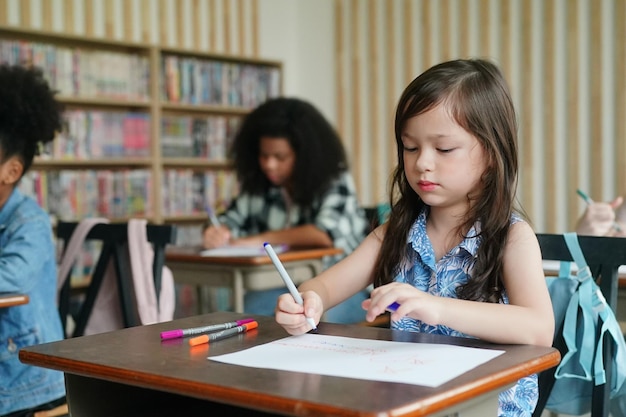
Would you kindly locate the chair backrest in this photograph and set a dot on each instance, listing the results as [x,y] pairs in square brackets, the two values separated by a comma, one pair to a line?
[604,256]
[371,214]
[376,215]
[114,239]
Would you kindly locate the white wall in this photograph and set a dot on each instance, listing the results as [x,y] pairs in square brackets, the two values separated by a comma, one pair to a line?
[300,33]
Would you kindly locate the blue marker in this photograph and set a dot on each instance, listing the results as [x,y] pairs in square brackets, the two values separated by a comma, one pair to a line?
[393,307]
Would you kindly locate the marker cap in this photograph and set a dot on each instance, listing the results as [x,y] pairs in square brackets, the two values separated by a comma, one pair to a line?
[199,340]
[393,307]
[251,325]
[171,334]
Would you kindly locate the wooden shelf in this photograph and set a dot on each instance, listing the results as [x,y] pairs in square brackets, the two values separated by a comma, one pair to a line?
[155,107]
[106,102]
[196,163]
[201,108]
[115,163]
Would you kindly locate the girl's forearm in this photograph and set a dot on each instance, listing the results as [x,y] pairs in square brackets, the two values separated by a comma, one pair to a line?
[498,323]
[303,236]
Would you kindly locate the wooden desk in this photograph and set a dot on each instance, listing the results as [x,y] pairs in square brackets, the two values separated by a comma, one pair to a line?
[243,273]
[131,372]
[10,300]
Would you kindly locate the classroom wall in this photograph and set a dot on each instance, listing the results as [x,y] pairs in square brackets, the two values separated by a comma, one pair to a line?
[564,60]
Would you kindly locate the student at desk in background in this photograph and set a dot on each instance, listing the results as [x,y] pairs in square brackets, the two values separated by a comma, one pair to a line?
[603,219]
[454,255]
[295,189]
[29,116]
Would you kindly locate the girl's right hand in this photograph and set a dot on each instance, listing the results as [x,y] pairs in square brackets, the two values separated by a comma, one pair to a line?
[598,219]
[290,314]
[215,237]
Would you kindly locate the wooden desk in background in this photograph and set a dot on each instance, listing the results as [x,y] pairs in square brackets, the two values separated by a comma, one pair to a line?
[245,272]
[142,376]
[10,300]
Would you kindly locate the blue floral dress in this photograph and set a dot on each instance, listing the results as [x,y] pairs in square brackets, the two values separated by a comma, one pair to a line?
[442,279]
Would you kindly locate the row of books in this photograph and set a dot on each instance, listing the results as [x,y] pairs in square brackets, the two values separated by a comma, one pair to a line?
[211,82]
[104,134]
[83,72]
[188,192]
[73,194]
[101,134]
[198,137]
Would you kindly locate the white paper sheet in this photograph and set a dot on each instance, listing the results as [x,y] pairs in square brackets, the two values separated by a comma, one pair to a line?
[379,360]
[250,251]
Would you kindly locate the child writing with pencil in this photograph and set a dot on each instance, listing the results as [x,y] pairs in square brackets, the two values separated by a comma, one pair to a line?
[602,219]
[29,116]
[296,189]
[454,258]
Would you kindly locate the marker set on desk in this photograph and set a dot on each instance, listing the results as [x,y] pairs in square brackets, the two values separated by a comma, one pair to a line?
[224,330]
[216,331]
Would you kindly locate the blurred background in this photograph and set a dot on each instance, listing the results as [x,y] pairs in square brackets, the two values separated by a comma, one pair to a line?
[565,61]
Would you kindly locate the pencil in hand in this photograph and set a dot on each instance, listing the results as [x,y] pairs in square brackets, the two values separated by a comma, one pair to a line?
[287,280]
[214,220]
[589,201]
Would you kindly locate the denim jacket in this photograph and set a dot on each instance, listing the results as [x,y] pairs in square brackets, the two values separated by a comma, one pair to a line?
[27,266]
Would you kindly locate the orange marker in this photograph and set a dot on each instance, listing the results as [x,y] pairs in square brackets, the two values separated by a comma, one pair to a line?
[207,338]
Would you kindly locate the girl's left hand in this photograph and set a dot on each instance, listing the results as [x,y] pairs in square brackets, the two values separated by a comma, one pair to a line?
[413,303]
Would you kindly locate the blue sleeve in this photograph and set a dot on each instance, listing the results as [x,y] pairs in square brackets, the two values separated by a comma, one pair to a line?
[26,249]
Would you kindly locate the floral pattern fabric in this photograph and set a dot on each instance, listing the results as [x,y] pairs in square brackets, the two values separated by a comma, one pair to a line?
[442,279]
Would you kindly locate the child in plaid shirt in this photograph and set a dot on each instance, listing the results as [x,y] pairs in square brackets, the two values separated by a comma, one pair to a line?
[295,189]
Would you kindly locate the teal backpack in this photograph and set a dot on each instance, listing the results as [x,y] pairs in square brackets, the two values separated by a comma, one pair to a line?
[583,319]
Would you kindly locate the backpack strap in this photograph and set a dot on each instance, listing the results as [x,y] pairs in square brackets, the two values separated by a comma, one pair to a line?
[589,302]
[71,251]
[584,272]
[578,318]
[73,247]
[141,260]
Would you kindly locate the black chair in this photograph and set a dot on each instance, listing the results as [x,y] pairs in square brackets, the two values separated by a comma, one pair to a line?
[374,214]
[604,256]
[114,239]
[371,214]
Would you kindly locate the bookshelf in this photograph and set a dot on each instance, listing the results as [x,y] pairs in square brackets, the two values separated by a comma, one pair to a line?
[147,128]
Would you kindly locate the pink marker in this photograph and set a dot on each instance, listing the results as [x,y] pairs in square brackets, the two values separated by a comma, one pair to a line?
[174,334]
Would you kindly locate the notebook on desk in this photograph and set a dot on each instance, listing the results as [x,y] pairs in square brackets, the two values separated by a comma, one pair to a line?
[235,251]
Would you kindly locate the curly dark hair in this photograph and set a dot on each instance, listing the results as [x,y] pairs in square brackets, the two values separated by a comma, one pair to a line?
[29,113]
[320,156]
[480,102]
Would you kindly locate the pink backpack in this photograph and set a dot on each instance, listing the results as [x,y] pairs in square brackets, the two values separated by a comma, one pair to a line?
[106,314]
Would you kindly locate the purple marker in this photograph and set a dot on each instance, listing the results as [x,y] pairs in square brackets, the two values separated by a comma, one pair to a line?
[174,334]
[393,307]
